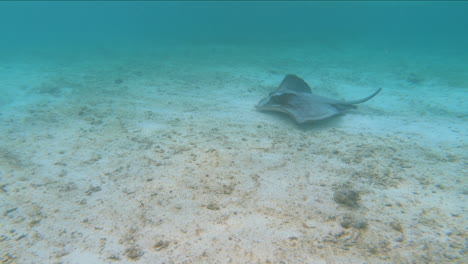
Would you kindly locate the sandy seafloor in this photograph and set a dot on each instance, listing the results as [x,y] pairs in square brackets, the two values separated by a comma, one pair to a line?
[159,156]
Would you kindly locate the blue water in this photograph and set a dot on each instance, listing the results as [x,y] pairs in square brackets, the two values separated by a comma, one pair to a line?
[434,26]
[129,132]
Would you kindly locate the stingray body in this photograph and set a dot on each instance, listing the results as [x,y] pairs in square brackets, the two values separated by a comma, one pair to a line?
[294,97]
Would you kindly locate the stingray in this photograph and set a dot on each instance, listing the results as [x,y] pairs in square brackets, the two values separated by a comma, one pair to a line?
[294,97]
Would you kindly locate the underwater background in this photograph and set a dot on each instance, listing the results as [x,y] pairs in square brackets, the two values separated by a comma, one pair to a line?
[129,132]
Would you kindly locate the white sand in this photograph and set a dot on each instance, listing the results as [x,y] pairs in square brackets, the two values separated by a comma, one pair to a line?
[174,165]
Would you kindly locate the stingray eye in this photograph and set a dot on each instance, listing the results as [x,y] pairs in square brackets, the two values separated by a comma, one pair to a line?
[280,99]
[276,99]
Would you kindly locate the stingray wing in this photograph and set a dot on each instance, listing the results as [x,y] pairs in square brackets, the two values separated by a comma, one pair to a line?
[302,107]
[294,84]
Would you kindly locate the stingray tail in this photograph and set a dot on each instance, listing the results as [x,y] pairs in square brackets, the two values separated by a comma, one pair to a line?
[364,99]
